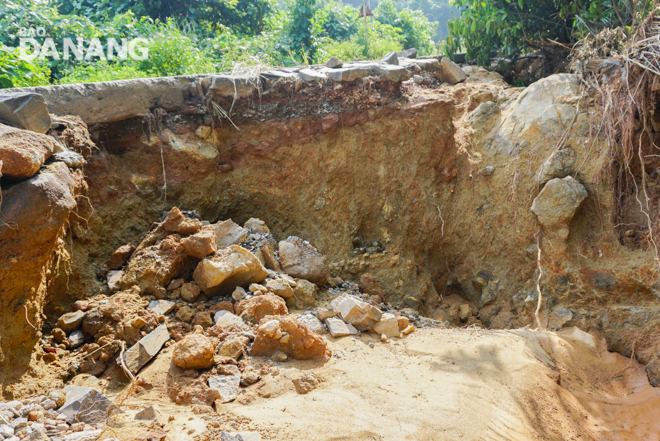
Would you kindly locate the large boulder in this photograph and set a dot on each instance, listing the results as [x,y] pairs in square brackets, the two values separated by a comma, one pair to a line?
[34,213]
[25,110]
[290,336]
[557,203]
[228,268]
[22,152]
[300,259]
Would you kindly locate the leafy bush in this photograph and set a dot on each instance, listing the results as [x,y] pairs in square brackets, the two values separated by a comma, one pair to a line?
[382,39]
[416,29]
[15,72]
[102,71]
[336,21]
[244,16]
[300,28]
[171,52]
[514,27]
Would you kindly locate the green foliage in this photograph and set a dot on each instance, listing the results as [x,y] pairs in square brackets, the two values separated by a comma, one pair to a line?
[416,29]
[516,26]
[300,28]
[383,38]
[244,16]
[171,52]
[15,72]
[102,71]
[337,21]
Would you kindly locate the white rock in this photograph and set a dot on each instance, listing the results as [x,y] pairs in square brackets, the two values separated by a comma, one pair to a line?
[163,307]
[227,386]
[313,323]
[388,325]
[91,435]
[338,328]
[356,312]
[226,318]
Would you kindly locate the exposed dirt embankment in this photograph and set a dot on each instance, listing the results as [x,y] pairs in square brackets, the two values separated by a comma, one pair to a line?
[441,193]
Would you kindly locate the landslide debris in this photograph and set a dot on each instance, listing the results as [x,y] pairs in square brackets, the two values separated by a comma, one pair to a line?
[203,290]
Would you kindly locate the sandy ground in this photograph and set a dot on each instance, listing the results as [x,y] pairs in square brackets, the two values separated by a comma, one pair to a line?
[437,384]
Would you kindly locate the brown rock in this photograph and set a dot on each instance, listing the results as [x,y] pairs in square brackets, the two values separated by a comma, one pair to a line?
[200,244]
[304,295]
[203,319]
[279,287]
[249,377]
[228,268]
[124,304]
[234,347]
[120,257]
[557,203]
[299,342]
[71,321]
[258,307]
[185,314]
[189,292]
[152,268]
[403,323]
[300,259]
[221,306]
[255,225]
[195,351]
[268,250]
[305,383]
[81,305]
[369,285]
[173,220]
[58,334]
[23,152]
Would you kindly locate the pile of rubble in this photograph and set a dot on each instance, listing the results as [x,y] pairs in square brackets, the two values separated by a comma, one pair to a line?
[72,414]
[220,293]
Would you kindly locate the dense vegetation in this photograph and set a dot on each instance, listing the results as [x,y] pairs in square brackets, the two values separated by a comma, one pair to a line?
[515,27]
[193,36]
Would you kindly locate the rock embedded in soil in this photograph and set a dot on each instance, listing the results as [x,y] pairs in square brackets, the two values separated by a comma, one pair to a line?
[300,259]
[338,328]
[557,203]
[225,319]
[22,152]
[194,351]
[228,268]
[305,383]
[144,350]
[189,292]
[234,347]
[226,387]
[256,308]
[352,310]
[288,335]
[152,413]
[71,321]
[369,285]
[388,325]
[86,405]
[119,257]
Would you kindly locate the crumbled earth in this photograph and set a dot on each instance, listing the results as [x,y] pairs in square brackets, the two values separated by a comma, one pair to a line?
[356,251]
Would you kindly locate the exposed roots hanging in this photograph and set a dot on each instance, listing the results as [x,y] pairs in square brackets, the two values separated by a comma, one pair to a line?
[628,87]
[538,282]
